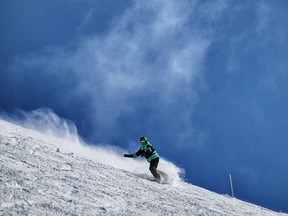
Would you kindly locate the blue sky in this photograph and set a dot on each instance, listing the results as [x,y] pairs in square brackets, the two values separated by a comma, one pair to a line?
[205,81]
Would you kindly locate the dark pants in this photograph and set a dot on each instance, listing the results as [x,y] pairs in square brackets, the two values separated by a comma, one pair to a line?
[153,167]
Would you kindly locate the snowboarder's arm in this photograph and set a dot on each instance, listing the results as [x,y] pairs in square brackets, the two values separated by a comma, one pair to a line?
[137,154]
[128,155]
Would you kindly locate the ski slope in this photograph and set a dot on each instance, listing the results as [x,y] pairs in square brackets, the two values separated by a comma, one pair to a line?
[42,175]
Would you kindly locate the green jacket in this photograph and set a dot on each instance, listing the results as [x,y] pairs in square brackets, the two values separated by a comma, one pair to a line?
[148,151]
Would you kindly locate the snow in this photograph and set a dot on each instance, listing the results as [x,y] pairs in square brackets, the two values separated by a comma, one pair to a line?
[44,175]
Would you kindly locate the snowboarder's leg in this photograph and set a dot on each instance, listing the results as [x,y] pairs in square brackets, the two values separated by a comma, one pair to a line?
[153,168]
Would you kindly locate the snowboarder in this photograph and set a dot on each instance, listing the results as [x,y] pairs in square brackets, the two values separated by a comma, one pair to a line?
[147,150]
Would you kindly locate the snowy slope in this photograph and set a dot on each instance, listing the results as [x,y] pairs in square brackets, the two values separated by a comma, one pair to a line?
[39,175]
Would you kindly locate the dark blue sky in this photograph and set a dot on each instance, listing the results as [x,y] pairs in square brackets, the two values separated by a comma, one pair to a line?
[205,81]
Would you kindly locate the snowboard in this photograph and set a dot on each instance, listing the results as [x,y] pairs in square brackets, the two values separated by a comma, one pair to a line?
[164,178]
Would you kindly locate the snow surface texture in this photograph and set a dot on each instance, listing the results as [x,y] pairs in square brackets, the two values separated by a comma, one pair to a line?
[42,175]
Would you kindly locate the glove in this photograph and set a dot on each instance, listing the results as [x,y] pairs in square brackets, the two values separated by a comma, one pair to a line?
[128,155]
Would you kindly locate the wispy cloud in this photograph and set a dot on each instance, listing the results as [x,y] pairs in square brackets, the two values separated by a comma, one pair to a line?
[150,62]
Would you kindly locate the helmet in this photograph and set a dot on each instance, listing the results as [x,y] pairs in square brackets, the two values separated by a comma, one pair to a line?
[143,139]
